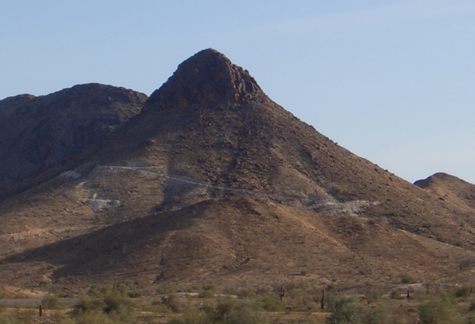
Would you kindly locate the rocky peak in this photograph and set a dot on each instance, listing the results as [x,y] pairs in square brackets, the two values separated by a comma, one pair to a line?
[207,78]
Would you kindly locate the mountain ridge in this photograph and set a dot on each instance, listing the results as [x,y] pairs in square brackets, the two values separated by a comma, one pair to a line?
[212,180]
[39,133]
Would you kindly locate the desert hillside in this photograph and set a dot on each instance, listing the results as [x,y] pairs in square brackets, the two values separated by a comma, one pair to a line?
[209,179]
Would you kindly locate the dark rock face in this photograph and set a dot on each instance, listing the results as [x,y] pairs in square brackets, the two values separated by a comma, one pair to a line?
[207,78]
[39,133]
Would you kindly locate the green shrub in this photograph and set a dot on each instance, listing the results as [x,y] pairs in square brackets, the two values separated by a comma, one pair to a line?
[8,319]
[4,319]
[345,311]
[225,312]
[87,305]
[164,289]
[245,293]
[114,304]
[395,294]
[439,310]
[271,303]
[207,291]
[372,295]
[407,279]
[377,315]
[232,312]
[111,306]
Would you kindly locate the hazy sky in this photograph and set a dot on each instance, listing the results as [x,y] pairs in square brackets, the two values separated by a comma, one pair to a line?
[393,81]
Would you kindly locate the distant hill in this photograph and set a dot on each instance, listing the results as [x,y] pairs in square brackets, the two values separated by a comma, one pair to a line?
[212,180]
[450,188]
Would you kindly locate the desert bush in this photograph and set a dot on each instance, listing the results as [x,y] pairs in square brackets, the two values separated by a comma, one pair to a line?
[97,292]
[439,310]
[112,306]
[231,312]
[395,294]
[207,291]
[462,292]
[271,303]
[87,305]
[373,294]
[345,311]
[407,279]
[171,302]
[114,303]
[470,320]
[350,311]
[225,312]
[378,315]
[245,293]
[7,319]
[49,301]
[44,281]
[164,289]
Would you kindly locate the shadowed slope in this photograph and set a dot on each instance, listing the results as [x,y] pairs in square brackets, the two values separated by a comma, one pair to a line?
[38,135]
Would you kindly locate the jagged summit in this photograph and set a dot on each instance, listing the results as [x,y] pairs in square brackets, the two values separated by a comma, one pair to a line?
[206,78]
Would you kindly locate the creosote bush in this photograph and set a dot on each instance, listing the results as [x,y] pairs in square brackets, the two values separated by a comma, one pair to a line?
[439,310]
[345,311]
[103,304]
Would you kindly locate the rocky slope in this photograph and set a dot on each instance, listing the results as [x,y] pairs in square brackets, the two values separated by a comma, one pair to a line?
[449,188]
[212,180]
[39,135]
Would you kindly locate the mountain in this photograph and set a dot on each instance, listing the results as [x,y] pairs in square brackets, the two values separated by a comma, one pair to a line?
[213,181]
[39,135]
[450,188]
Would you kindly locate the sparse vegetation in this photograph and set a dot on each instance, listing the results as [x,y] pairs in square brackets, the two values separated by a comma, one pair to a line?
[49,301]
[271,303]
[463,291]
[407,279]
[301,304]
[225,312]
[102,304]
[171,302]
[439,310]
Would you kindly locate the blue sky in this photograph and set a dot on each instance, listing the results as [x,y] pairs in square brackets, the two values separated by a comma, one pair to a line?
[393,81]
